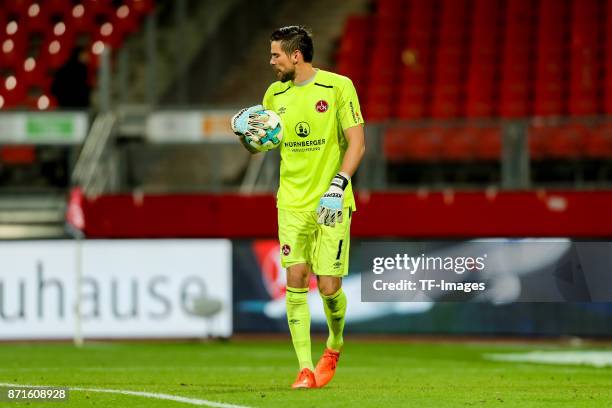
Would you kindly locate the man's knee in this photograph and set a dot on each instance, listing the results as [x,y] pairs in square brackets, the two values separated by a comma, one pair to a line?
[328,285]
[298,275]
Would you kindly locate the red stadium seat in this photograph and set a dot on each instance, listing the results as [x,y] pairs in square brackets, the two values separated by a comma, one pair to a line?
[141,7]
[403,144]
[488,144]
[34,73]
[458,144]
[81,19]
[410,106]
[55,51]
[425,144]
[391,8]
[414,80]
[13,91]
[37,18]
[378,109]
[480,90]
[556,142]
[387,29]
[598,142]
[585,68]
[126,19]
[607,89]
[452,20]
[395,145]
[446,102]
[352,52]
[58,8]
[16,7]
[102,9]
[514,92]
[109,33]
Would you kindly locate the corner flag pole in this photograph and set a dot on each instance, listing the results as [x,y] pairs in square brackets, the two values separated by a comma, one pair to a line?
[75,224]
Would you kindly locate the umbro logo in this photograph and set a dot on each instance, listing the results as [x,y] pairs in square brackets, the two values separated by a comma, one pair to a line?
[281,110]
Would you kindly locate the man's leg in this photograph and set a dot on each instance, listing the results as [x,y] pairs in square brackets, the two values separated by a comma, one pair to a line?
[330,263]
[334,303]
[298,317]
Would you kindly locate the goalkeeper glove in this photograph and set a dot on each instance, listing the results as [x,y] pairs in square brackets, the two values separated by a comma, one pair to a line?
[330,206]
[250,125]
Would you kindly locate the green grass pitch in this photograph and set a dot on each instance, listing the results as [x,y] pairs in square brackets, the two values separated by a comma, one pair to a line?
[258,373]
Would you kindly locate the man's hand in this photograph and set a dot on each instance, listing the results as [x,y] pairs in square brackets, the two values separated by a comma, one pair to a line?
[247,122]
[248,125]
[330,206]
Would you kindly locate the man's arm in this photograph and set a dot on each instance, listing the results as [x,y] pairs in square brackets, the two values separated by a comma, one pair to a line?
[330,206]
[356,149]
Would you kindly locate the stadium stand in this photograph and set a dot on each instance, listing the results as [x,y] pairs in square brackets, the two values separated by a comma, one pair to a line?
[38,37]
[483,59]
[442,83]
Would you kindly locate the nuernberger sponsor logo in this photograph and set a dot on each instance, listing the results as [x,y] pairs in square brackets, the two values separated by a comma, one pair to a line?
[305,143]
[302,129]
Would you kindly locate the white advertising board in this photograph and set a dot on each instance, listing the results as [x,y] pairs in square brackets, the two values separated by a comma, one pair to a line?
[63,128]
[129,289]
[190,127]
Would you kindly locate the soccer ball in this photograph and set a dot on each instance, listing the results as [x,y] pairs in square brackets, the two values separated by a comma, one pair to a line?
[271,131]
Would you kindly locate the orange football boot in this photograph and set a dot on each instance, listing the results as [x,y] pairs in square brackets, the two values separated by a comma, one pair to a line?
[305,379]
[326,367]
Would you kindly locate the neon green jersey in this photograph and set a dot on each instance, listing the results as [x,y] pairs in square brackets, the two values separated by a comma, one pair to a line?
[314,116]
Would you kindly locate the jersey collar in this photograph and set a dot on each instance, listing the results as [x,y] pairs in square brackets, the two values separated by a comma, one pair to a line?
[309,81]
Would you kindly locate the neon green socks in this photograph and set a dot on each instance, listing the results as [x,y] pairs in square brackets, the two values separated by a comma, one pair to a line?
[335,310]
[298,317]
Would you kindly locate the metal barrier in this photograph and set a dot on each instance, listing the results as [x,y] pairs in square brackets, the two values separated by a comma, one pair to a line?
[96,168]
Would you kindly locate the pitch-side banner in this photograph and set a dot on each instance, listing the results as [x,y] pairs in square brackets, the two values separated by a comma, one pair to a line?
[515,272]
[488,270]
[129,288]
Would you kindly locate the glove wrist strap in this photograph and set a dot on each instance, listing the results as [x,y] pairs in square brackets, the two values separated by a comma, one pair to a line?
[340,180]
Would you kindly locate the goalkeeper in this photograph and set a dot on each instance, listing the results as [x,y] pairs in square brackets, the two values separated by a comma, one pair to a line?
[322,145]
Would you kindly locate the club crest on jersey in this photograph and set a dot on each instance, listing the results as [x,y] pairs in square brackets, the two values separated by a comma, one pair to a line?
[322,106]
[286,249]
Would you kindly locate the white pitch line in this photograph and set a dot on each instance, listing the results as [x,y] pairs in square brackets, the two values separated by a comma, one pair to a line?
[154,395]
[136,368]
[579,357]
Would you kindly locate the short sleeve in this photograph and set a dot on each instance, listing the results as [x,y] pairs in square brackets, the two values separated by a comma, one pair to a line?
[349,111]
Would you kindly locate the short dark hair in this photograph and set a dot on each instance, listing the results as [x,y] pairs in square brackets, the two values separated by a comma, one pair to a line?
[295,38]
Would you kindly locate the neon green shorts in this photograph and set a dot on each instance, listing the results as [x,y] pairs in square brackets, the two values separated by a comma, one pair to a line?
[303,240]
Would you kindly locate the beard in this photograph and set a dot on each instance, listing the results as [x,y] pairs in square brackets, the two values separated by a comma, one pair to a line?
[286,76]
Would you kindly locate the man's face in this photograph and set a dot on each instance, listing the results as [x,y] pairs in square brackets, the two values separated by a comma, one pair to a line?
[281,63]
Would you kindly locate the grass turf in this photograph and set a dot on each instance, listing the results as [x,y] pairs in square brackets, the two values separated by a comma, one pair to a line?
[258,373]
